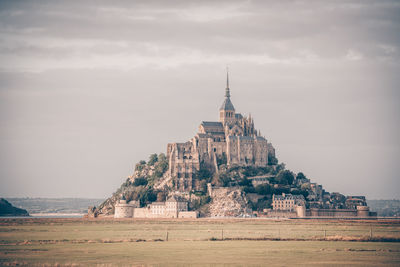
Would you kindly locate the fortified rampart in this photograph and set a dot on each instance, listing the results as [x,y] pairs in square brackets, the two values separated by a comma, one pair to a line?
[174,207]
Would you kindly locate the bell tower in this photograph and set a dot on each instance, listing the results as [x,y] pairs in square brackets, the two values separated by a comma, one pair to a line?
[227,110]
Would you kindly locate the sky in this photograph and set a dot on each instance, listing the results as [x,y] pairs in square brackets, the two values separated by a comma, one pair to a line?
[89,88]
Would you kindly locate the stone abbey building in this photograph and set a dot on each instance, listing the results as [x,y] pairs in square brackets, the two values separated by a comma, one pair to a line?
[232,140]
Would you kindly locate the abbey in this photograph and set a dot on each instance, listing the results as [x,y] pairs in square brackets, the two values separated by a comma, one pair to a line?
[233,140]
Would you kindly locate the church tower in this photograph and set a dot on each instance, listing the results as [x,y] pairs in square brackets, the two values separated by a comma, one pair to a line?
[227,111]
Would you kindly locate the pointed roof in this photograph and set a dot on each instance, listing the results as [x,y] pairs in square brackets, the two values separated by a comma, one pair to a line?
[227,105]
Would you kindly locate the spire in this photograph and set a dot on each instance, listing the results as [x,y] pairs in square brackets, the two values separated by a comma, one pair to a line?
[227,92]
[227,105]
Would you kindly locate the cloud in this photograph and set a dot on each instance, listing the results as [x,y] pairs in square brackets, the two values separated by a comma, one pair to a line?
[70,35]
[79,80]
[353,55]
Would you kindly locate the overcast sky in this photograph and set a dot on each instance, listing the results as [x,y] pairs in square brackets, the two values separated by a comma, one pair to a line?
[88,88]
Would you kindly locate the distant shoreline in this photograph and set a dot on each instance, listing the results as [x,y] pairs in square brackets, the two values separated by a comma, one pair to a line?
[56,214]
[45,215]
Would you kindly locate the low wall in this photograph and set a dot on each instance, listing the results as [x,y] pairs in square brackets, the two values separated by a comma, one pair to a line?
[141,213]
[333,213]
[281,214]
[146,213]
[188,214]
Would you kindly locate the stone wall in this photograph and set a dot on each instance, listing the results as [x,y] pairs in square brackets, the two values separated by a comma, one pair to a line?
[123,211]
[333,213]
[281,214]
[188,214]
[183,163]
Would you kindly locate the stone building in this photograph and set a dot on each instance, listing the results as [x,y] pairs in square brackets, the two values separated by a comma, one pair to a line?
[232,140]
[123,209]
[352,202]
[174,207]
[287,202]
[170,208]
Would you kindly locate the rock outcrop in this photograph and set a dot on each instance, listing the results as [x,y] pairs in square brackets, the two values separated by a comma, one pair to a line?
[228,202]
[140,186]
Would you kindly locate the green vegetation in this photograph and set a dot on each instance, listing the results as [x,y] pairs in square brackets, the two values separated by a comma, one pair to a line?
[141,188]
[264,189]
[285,177]
[198,203]
[71,242]
[152,160]
[140,181]
[272,160]
[300,176]
[6,209]
[222,159]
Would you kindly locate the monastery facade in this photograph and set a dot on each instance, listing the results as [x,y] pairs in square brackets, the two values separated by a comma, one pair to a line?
[232,140]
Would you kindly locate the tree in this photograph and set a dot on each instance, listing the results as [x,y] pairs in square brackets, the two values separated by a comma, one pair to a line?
[272,160]
[300,176]
[249,189]
[162,157]
[140,181]
[204,174]
[221,159]
[280,167]
[152,159]
[139,166]
[223,179]
[280,190]
[300,192]
[263,189]
[147,195]
[161,166]
[245,182]
[285,177]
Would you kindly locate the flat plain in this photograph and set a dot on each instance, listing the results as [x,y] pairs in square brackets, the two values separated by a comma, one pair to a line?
[126,242]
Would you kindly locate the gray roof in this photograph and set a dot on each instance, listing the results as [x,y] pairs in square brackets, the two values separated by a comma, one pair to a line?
[176,199]
[212,123]
[238,116]
[289,196]
[158,203]
[201,135]
[227,105]
[246,137]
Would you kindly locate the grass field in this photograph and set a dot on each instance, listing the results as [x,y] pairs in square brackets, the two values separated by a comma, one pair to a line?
[106,242]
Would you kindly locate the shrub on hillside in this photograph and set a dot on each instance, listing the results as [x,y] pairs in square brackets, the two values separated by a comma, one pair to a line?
[285,177]
[152,159]
[263,189]
[140,181]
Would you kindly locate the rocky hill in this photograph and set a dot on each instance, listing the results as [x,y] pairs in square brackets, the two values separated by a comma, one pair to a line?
[6,209]
[139,186]
[234,191]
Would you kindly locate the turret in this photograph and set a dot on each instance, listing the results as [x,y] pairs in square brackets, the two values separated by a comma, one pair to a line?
[227,110]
